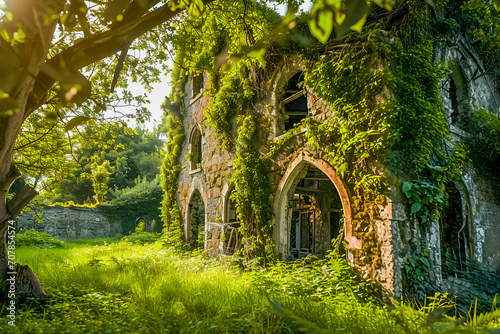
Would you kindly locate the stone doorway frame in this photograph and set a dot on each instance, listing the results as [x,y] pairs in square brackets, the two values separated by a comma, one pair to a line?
[188,215]
[281,232]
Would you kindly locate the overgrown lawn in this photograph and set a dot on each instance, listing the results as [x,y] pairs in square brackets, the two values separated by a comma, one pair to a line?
[126,287]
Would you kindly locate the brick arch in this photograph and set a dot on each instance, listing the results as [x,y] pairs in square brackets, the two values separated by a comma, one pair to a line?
[281,229]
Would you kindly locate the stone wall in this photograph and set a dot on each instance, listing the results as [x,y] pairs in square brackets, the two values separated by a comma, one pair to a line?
[70,222]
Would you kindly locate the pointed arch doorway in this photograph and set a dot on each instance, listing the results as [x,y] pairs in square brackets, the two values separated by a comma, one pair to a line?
[312,210]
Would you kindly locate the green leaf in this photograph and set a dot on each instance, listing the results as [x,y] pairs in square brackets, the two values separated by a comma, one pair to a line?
[259,55]
[360,24]
[386,4]
[75,87]
[75,122]
[115,8]
[354,18]
[416,207]
[431,3]
[425,261]
[51,117]
[406,187]
[321,25]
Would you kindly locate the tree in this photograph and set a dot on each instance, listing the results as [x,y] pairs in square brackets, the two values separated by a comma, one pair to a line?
[35,70]
[100,176]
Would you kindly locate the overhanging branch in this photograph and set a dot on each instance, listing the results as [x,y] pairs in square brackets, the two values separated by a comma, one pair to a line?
[97,47]
[20,200]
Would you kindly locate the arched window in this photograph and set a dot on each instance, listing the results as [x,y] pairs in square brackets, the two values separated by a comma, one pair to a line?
[295,101]
[455,233]
[454,101]
[316,213]
[196,154]
[231,215]
[196,220]
[197,84]
[232,237]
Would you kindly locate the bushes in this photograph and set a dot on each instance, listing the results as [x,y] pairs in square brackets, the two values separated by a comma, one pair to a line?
[37,239]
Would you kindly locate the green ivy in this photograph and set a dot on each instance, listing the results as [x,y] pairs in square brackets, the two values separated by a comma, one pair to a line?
[418,121]
[170,169]
[233,96]
[252,192]
[416,270]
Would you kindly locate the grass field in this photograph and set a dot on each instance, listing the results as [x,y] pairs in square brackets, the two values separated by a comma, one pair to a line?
[126,287]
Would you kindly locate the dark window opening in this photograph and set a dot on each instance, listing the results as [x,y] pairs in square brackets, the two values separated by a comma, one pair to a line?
[315,215]
[196,154]
[454,233]
[197,84]
[232,217]
[454,102]
[295,101]
[140,225]
[232,238]
[197,221]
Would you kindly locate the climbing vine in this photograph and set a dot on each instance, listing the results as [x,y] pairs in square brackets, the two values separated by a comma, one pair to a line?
[252,192]
[484,146]
[234,95]
[170,169]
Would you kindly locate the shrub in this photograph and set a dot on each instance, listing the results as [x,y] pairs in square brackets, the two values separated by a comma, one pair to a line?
[37,239]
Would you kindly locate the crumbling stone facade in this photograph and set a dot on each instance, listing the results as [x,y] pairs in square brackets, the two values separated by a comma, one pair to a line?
[314,204]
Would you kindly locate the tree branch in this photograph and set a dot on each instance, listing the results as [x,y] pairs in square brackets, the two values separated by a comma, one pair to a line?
[97,47]
[20,200]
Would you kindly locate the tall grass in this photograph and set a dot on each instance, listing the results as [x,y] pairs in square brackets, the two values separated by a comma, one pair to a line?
[126,287]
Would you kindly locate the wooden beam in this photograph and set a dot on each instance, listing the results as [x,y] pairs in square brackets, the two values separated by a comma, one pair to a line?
[294,96]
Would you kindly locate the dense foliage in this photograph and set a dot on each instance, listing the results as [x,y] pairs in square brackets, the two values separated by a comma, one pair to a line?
[170,169]
[484,146]
[134,154]
[252,192]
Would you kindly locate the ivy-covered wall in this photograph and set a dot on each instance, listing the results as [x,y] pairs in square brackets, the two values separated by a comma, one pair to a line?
[106,220]
[394,122]
[70,222]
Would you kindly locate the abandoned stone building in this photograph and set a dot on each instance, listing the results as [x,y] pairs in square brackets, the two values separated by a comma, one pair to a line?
[313,201]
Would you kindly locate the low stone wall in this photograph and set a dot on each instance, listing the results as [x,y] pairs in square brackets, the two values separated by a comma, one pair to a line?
[70,222]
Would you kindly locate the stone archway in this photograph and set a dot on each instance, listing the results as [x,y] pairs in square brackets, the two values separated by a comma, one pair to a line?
[147,224]
[286,213]
[195,220]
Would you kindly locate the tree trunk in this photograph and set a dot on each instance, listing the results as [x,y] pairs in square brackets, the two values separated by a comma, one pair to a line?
[21,63]
[24,87]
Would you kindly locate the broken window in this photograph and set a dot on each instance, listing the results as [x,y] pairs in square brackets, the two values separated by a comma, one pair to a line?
[454,232]
[196,216]
[231,210]
[196,154]
[231,234]
[315,214]
[197,84]
[295,101]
